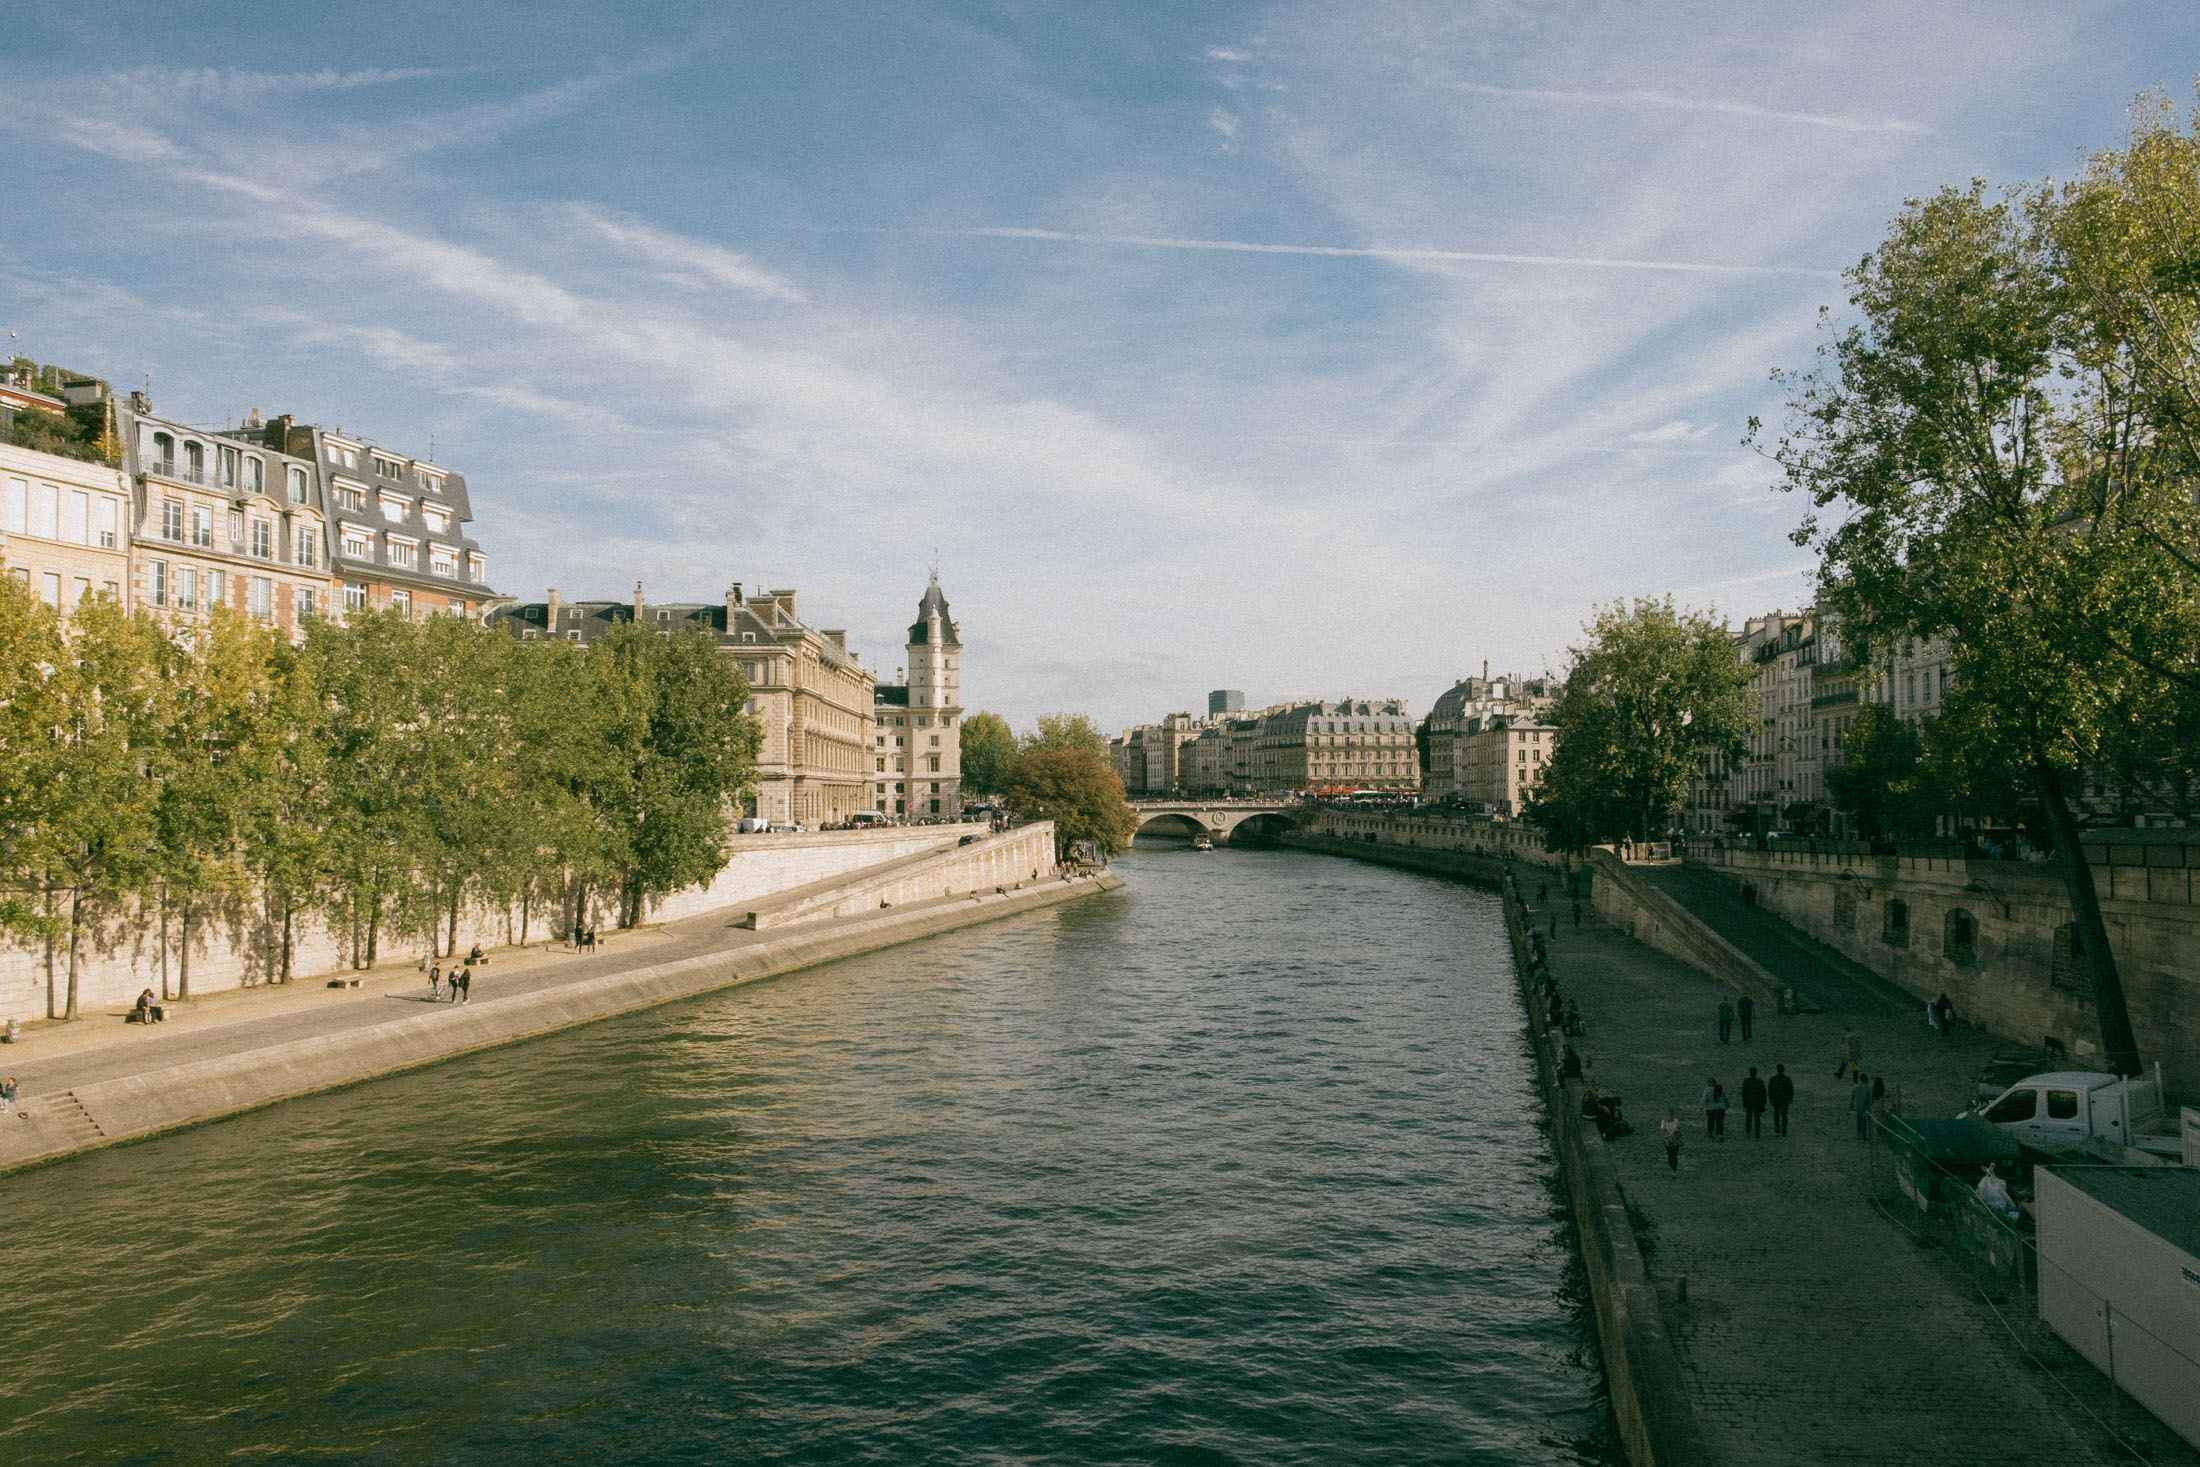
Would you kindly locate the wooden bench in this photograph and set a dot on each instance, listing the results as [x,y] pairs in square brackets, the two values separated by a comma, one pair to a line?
[343,983]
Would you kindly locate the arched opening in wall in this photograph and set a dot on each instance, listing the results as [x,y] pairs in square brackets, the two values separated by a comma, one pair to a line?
[2066,967]
[1894,926]
[1959,938]
[1844,910]
[1260,830]
[1168,830]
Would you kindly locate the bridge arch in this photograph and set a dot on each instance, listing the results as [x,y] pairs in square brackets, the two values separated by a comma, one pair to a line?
[1171,823]
[1260,830]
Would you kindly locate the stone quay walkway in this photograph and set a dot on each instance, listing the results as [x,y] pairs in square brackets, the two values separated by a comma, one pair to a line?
[524,991]
[1815,1327]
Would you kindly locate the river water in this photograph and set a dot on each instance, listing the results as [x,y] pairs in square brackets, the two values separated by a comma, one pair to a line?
[1238,1165]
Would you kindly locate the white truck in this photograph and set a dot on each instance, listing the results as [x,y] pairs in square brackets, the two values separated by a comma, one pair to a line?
[2062,1110]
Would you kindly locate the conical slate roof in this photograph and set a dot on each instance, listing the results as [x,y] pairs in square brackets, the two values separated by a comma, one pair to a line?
[933,604]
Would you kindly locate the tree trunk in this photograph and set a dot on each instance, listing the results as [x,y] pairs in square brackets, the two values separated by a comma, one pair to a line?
[450,946]
[286,940]
[53,996]
[2117,1039]
[76,927]
[183,953]
[164,941]
[524,897]
[374,927]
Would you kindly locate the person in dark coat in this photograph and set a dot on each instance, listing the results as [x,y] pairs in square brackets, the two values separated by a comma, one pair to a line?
[1745,1009]
[1726,1018]
[1780,1091]
[1569,1063]
[1753,1105]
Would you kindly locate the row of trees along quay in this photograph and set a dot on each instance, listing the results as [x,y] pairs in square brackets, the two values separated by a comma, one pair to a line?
[381,774]
[2000,446]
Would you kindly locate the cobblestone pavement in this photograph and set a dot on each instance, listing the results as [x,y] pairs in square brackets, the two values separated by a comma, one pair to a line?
[1816,1328]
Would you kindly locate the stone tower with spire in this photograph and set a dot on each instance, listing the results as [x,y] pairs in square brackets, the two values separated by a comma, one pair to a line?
[920,721]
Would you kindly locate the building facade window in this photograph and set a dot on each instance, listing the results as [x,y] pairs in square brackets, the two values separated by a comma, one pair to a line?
[217,587]
[401,602]
[228,462]
[254,476]
[194,462]
[388,468]
[263,539]
[357,543]
[394,510]
[157,582]
[187,588]
[297,478]
[261,593]
[301,602]
[403,553]
[236,527]
[171,520]
[303,540]
[355,596]
[107,522]
[444,562]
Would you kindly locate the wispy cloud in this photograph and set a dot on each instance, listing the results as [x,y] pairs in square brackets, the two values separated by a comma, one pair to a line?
[1670,102]
[228,84]
[1679,430]
[688,257]
[1402,255]
[1226,122]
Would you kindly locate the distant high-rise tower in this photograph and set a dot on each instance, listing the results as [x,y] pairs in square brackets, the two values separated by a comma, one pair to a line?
[923,777]
[1225,700]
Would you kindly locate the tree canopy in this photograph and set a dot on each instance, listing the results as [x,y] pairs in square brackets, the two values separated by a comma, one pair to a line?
[1652,685]
[1074,788]
[1066,731]
[988,753]
[2001,448]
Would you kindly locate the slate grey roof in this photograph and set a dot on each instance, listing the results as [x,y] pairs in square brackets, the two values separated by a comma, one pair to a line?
[934,604]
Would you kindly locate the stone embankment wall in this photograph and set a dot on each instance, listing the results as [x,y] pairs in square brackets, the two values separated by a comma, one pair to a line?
[1023,854]
[236,948]
[135,1106]
[2017,977]
[1624,900]
[1484,838]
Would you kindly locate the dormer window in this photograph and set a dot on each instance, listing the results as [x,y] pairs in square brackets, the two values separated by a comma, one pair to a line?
[388,468]
[350,498]
[297,482]
[395,509]
[254,476]
[439,520]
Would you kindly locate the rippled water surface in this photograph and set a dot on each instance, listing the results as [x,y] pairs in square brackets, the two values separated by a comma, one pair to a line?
[1240,1164]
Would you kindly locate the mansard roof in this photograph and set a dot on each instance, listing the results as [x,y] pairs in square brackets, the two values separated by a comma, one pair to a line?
[933,604]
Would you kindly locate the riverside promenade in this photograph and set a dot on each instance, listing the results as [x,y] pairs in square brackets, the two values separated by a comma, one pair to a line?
[1811,1326]
[99,1080]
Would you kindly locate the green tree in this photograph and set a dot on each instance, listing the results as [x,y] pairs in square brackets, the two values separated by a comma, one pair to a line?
[2006,438]
[97,839]
[369,726]
[1652,687]
[1074,788]
[31,713]
[988,753]
[1066,731]
[287,842]
[682,749]
[219,682]
[1881,779]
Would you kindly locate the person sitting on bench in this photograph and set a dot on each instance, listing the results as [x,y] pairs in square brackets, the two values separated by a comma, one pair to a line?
[147,1012]
[475,956]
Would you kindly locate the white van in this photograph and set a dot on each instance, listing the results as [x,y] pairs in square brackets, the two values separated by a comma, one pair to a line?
[865,818]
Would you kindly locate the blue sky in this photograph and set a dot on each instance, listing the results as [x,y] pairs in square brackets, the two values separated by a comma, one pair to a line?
[1308,349]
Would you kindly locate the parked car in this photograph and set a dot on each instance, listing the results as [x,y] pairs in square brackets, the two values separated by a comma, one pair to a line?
[754,824]
[2064,1109]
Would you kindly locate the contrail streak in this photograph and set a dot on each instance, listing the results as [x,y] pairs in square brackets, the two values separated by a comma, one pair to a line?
[1348,252]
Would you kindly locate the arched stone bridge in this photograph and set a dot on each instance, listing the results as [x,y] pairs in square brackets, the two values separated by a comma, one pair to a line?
[1221,821]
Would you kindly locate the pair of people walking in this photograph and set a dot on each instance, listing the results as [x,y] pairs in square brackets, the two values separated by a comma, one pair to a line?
[1742,1008]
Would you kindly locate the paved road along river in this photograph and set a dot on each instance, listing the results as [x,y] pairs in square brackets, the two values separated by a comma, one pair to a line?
[1240,1164]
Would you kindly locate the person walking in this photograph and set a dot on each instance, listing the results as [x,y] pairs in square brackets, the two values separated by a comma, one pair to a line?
[435,982]
[1726,1018]
[1670,1130]
[1852,1054]
[1753,1105]
[1569,1063]
[1745,1009]
[7,1095]
[1714,1109]
[466,984]
[1945,1017]
[1780,1091]
[1860,1105]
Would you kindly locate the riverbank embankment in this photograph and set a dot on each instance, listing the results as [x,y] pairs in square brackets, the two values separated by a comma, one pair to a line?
[133,1081]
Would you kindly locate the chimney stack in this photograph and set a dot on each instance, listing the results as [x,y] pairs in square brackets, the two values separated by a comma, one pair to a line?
[637,600]
[733,604]
[550,613]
